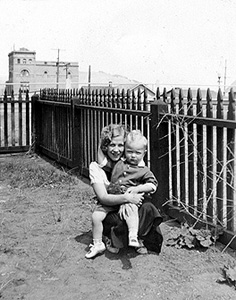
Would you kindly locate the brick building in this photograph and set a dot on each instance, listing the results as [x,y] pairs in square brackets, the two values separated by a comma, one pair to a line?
[26,72]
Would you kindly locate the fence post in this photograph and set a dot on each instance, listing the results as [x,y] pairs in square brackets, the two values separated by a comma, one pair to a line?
[77,146]
[35,121]
[159,151]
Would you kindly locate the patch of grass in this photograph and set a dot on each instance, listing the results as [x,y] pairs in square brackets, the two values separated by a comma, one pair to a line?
[27,173]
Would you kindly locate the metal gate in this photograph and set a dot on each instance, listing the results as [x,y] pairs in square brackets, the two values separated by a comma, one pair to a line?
[15,123]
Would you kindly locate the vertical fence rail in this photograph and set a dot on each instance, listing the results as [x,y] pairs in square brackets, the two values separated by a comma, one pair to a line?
[173,153]
[159,149]
[20,119]
[13,127]
[220,161]
[27,117]
[182,151]
[200,154]
[190,142]
[230,165]
[209,158]
[5,109]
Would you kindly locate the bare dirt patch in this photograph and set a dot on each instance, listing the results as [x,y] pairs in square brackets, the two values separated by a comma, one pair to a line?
[45,232]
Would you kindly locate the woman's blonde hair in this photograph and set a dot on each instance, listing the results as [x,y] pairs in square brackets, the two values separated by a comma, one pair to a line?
[109,132]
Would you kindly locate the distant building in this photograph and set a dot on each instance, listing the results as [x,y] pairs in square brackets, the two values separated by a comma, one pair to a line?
[27,73]
[133,87]
[140,86]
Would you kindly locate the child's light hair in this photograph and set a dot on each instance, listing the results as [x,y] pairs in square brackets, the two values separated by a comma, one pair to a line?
[136,135]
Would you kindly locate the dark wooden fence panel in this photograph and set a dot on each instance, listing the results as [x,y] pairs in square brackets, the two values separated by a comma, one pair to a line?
[103,107]
[65,121]
[15,123]
[55,131]
[205,160]
[209,158]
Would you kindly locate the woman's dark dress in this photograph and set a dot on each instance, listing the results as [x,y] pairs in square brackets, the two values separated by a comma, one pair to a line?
[149,221]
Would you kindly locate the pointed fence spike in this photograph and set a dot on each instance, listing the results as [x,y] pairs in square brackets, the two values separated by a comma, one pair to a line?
[199,102]
[209,104]
[145,99]
[219,108]
[158,96]
[181,102]
[164,95]
[231,107]
[190,102]
[173,101]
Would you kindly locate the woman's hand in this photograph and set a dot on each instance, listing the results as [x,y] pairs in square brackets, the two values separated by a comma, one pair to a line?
[134,198]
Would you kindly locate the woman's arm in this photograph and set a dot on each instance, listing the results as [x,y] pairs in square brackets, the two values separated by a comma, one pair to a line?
[99,183]
[111,200]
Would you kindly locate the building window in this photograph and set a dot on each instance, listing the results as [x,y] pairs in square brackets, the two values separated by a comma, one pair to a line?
[24,73]
[45,74]
[18,60]
[30,60]
[24,87]
[24,61]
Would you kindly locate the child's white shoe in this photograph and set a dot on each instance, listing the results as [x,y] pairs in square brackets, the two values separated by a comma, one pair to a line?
[133,241]
[95,249]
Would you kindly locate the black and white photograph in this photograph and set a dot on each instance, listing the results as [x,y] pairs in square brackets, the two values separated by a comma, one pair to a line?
[117,150]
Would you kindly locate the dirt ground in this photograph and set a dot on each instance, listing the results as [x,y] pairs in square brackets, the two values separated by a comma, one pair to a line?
[46,230]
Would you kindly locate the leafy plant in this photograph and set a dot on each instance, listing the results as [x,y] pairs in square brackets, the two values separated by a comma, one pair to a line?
[187,236]
[228,276]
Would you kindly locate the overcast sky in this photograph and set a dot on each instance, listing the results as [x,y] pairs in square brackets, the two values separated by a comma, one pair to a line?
[169,41]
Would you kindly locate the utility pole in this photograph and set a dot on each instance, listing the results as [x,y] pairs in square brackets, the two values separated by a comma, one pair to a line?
[68,81]
[219,81]
[225,77]
[58,60]
[66,67]
[58,65]
[89,78]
